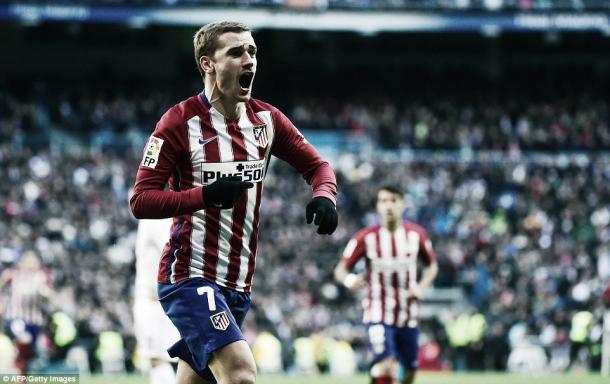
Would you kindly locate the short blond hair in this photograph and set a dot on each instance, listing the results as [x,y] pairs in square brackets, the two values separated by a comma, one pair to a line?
[205,41]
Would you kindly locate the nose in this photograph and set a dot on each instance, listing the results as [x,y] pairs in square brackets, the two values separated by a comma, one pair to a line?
[247,61]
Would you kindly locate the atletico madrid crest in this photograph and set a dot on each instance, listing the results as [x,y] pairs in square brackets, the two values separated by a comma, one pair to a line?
[260,134]
[220,321]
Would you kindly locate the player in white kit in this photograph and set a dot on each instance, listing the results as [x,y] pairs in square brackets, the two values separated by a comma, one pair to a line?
[154,330]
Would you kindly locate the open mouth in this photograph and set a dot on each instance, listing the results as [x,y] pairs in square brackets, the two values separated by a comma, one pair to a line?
[245,80]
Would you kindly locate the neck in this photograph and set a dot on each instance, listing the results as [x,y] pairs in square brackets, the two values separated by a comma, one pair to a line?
[229,109]
[391,225]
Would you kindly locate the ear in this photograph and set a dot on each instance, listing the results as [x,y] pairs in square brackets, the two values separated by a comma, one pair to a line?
[207,64]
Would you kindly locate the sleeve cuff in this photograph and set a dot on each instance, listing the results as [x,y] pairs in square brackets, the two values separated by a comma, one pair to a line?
[196,198]
[328,195]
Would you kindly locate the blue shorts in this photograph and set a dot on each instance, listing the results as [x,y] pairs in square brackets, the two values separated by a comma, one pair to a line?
[18,327]
[207,316]
[397,342]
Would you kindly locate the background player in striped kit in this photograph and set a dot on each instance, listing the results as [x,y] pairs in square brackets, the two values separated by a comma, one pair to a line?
[26,291]
[214,148]
[391,251]
[154,331]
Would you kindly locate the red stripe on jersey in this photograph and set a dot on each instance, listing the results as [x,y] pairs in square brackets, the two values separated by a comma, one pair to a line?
[253,239]
[380,276]
[184,239]
[382,294]
[396,296]
[378,244]
[408,300]
[239,210]
[164,265]
[212,216]
[395,282]
[369,280]
[404,301]
[409,315]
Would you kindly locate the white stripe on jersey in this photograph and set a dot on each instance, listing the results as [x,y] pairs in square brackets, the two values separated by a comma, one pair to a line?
[385,246]
[401,249]
[225,150]
[412,243]
[375,302]
[197,220]
[173,267]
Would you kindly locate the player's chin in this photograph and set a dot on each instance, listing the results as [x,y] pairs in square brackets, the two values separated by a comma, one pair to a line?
[244,96]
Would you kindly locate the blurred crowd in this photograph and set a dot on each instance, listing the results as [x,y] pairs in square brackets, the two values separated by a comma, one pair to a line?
[458,120]
[526,238]
[512,122]
[321,5]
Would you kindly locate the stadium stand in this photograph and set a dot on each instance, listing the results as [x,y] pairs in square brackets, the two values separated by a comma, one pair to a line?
[363,5]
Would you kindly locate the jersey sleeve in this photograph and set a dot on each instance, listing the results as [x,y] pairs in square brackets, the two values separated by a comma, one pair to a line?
[160,159]
[426,252]
[291,146]
[354,250]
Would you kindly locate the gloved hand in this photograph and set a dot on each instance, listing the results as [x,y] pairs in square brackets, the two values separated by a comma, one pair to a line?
[326,215]
[224,192]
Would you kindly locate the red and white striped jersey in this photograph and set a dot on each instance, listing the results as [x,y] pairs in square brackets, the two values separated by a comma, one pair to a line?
[23,298]
[192,146]
[391,269]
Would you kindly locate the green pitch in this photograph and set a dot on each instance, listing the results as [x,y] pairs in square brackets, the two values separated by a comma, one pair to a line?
[423,378]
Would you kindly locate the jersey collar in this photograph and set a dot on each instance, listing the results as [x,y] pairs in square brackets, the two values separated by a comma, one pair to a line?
[205,100]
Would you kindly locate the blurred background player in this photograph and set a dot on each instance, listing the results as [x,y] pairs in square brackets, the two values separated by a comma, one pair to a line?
[153,329]
[391,251]
[26,291]
[214,148]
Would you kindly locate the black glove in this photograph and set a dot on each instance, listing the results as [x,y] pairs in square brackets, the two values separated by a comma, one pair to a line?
[224,192]
[326,215]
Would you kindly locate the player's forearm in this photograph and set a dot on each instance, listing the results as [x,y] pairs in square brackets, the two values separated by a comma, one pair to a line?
[348,279]
[340,273]
[428,276]
[324,182]
[155,204]
[316,172]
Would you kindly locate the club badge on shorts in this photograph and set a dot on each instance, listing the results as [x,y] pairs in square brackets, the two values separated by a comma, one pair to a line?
[220,321]
[260,134]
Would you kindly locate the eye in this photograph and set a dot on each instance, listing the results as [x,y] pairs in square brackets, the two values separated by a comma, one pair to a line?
[234,52]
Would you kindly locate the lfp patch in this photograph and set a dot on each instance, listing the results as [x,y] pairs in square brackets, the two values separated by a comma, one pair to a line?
[151,152]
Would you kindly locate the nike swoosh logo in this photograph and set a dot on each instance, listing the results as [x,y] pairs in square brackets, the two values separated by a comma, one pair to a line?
[203,141]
